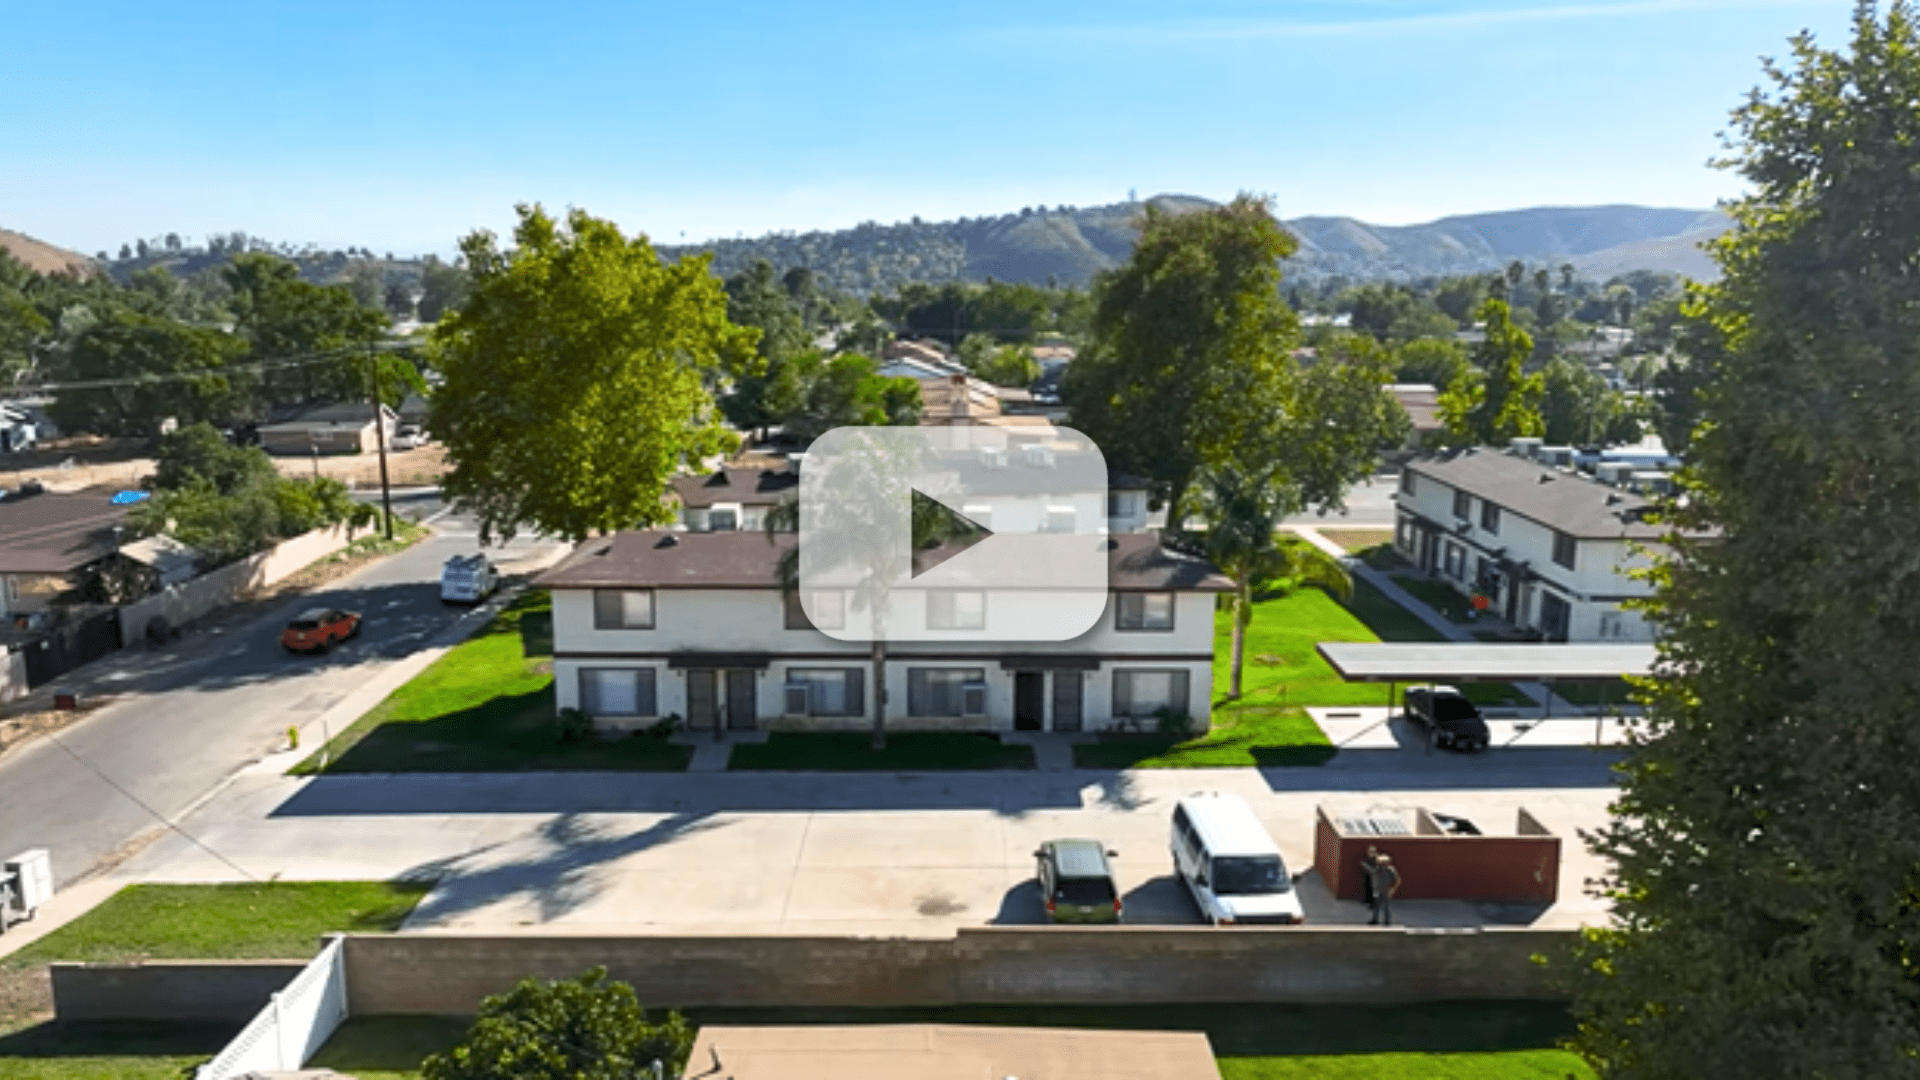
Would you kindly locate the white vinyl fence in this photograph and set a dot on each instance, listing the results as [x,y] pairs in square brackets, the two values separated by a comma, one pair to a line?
[294,1025]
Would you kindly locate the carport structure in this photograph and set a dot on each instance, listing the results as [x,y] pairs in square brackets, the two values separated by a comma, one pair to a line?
[1394,663]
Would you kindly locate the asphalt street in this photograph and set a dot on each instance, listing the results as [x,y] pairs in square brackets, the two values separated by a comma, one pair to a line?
[186,719]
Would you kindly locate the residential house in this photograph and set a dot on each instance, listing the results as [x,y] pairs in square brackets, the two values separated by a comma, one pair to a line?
[344,428]
[696,624]
[1552,550]
[734,498]
[47,541]
[1421,403]
[17,430]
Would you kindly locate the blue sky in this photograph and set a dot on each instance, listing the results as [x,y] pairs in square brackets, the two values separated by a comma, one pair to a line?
[402,126]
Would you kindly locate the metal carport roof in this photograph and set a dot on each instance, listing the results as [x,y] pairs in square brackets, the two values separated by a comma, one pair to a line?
[1442,661]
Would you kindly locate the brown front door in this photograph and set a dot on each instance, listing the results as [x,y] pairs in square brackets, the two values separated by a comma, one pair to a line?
[703,700]
[742,715]
[1066,700]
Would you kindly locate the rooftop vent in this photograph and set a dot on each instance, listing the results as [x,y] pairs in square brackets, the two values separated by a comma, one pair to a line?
[1546,478]
[667,541]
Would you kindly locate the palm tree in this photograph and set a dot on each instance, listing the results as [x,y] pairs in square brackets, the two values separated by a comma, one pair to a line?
[931,527]
[1240,509]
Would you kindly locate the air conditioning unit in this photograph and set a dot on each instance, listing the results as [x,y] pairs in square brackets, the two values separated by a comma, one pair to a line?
[993,457]
[799,699]
[1526,447]
[1038,457]
[973,699]
[1557,456]
[26,882]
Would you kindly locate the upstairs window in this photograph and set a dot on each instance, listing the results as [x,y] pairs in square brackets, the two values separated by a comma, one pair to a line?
[1463,506]
[1143,611]
[829,608]
[1564,549]
[1489,517]
[1406,482]
[956,610]
[623,609]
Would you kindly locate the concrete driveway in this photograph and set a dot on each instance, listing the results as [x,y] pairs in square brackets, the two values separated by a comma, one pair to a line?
[820,853]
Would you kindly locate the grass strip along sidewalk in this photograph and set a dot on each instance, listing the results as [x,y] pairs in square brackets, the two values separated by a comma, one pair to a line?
[486,706]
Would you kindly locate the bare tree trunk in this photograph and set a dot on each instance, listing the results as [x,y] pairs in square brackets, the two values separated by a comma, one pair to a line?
[879,695]
[1242,606]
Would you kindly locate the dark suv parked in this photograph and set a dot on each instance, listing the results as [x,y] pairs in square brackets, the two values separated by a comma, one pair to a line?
[1455,722]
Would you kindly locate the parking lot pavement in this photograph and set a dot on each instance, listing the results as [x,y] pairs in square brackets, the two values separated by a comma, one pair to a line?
[888,854]
[1375,727]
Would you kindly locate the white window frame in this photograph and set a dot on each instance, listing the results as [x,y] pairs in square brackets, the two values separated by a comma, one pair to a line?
[646,691]
[1139,622]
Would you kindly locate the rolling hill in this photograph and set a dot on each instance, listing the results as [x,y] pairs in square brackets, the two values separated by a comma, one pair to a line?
[44,257]
[1069,245]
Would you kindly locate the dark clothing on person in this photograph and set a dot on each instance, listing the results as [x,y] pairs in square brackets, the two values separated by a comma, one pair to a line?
[1382,878]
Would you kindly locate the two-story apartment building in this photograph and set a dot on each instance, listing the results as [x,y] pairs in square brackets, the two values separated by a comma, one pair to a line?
[733,498]
[1551,549]
[654,623]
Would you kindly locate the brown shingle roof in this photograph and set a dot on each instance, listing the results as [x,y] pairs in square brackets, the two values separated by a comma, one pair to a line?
[747,560]
[55,534]
[1570,502]
[755,487]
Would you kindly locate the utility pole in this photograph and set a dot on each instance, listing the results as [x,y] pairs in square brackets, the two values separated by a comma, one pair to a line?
[380,434]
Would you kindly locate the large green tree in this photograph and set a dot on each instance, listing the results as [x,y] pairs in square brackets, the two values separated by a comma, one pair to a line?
[1766,846]
[1496,400]
[818,393]
[576,377]
[281,316]
[589,1028]
[1190,351]
[164,369]
[756,298]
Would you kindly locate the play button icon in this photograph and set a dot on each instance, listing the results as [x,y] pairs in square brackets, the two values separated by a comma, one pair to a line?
[953,534]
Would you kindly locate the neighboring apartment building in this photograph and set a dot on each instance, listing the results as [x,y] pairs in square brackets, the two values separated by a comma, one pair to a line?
[656,623]
[1550,548]
[734,498]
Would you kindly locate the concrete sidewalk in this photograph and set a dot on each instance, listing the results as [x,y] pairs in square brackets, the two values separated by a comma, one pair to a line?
[1445,627]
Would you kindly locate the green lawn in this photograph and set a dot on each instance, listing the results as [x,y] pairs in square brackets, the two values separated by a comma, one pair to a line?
[486,706]
[1284,736]
[1498,1065]
[280,920]
[1283,673]
[1439,596]
[907,751]
[1493,1040]
[116,1050]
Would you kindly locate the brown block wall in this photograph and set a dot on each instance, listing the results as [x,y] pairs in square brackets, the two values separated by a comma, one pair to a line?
[183,990]
[1492,868]
[450,974]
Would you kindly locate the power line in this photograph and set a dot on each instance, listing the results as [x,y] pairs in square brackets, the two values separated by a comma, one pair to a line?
[136,800]
[253,367]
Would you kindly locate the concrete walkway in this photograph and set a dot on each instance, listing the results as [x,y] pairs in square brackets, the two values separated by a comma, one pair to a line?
[1538,693]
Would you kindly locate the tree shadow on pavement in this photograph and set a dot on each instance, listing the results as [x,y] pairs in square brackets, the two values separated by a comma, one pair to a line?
[558,870]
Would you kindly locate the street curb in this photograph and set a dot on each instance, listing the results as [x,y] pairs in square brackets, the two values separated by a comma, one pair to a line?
[318,731]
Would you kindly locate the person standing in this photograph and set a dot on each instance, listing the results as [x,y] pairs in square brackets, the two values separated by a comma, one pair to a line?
[1366,876]
[1385,879]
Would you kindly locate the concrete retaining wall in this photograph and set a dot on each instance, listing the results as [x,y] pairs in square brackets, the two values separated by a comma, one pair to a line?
[211,991]
[189,600]
[450,974]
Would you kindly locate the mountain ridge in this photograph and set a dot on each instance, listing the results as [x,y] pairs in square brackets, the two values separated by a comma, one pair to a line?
[1069,245]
